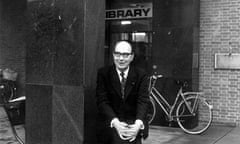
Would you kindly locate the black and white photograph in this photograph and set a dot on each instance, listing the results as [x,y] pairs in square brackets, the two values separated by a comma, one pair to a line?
[119,71]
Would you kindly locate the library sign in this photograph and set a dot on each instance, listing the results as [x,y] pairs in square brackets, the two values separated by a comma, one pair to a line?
[129,13]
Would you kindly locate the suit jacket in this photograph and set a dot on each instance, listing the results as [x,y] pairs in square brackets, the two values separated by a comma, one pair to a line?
[110,102]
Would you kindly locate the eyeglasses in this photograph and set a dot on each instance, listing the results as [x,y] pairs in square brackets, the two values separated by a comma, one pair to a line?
[124,55]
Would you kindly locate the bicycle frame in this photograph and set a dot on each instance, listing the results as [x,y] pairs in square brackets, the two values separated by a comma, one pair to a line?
[184,109]
[166,107]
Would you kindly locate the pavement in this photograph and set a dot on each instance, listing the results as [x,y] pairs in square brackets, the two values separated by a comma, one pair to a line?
[216,134]
[6,132]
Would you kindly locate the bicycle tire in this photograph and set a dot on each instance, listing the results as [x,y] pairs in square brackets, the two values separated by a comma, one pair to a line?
[200,121]
[151,111]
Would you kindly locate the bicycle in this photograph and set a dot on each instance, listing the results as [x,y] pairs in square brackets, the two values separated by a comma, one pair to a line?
[8,90]
[188,107]
[11,103]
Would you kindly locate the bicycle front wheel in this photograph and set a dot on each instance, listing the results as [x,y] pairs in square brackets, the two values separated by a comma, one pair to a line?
[151,111]
[199,120]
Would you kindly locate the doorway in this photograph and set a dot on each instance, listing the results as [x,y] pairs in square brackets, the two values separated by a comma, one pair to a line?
[165,40]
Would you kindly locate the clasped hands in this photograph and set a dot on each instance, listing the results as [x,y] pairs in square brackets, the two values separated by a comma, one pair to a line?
[126,131]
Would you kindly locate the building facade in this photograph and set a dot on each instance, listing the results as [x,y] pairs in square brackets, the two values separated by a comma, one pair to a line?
[209,28]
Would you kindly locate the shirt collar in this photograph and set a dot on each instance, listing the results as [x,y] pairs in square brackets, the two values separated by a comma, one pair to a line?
[125,72]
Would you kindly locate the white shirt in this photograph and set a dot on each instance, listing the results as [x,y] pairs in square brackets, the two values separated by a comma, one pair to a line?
[125,73]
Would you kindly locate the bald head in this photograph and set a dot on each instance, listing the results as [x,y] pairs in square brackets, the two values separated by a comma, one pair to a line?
[123,45]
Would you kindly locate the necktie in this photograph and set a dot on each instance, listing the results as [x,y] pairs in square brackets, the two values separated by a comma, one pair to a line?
[123,81]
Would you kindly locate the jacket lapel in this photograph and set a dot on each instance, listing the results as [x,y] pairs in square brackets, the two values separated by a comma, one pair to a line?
[115,80]
[131,81]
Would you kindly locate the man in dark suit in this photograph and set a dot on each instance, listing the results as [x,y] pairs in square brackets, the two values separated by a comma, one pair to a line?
[122,99]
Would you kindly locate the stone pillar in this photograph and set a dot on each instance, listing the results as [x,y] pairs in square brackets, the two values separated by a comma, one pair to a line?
[62,36]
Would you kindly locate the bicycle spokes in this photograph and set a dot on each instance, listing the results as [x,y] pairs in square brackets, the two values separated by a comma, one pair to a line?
[198,121]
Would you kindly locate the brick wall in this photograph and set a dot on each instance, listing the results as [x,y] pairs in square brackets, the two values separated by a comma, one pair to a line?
[219,26]
[12,39]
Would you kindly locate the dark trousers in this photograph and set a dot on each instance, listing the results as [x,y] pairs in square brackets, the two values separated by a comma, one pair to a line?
[107,135]
[117,140]
[112,137]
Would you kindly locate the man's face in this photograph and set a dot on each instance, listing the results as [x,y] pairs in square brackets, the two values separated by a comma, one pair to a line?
[123,55]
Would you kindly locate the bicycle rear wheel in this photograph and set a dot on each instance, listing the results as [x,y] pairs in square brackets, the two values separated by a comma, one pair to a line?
[197,122]
[151,111]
